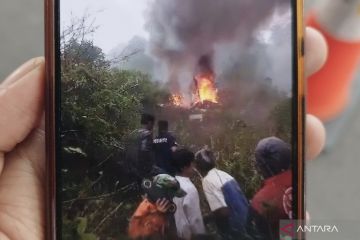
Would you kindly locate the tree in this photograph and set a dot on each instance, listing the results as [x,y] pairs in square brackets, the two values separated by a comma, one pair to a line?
[100,107]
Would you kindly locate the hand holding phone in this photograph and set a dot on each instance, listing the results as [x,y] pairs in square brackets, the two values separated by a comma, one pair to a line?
[9,95]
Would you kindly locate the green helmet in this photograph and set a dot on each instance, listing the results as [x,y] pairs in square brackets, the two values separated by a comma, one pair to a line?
[163,186]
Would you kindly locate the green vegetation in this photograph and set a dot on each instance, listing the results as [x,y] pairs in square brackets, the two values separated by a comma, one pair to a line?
[101,106]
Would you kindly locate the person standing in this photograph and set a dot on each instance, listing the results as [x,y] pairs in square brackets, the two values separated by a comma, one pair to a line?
[154,217]
[227,202]
[188,217]
[164,146]
[273,201]
[139,149]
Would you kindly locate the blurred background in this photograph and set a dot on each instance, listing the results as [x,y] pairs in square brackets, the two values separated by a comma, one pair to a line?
[333,189]
[21,33]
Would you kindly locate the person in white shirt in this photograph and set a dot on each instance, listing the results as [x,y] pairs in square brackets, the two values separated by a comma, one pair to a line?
[227,202]
[188,217]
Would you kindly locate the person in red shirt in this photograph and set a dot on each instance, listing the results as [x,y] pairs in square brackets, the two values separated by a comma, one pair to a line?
[272,202]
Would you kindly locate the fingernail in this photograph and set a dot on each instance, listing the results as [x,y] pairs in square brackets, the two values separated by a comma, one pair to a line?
[23,70]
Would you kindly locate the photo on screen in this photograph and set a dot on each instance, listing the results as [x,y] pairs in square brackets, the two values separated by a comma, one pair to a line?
[176,119]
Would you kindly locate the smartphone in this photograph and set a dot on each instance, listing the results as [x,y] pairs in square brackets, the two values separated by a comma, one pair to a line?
[174,119]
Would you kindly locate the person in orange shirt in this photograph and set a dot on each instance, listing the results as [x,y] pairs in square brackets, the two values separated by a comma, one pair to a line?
[154,217]
[149,220]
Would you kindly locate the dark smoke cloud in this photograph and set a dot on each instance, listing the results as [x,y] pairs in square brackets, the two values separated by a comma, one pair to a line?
[183,31]
[267,56]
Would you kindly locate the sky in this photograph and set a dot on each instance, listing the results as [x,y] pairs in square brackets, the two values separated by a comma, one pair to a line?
[109,16]
[119,21]
[119,31]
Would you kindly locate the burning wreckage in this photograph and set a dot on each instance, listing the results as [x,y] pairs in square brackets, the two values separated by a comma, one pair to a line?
[204,93]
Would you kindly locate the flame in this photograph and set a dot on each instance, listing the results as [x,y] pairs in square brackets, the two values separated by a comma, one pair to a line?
[176,99]
[206,90]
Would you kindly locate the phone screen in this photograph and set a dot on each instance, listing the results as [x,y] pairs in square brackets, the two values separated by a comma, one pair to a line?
[177,119]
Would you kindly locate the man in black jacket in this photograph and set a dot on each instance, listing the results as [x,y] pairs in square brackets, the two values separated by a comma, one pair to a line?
[164,146]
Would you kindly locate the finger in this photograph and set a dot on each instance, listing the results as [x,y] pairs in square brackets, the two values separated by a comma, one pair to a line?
[21,106]
[163,202]
[22,183]
[307,217]
[159,203]
[167,204]
[22,71]
[315,137]
[316,51]
[33,149]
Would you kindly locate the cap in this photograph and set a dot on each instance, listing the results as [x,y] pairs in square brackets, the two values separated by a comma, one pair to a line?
[170,184]
[273,156]
[162,186]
